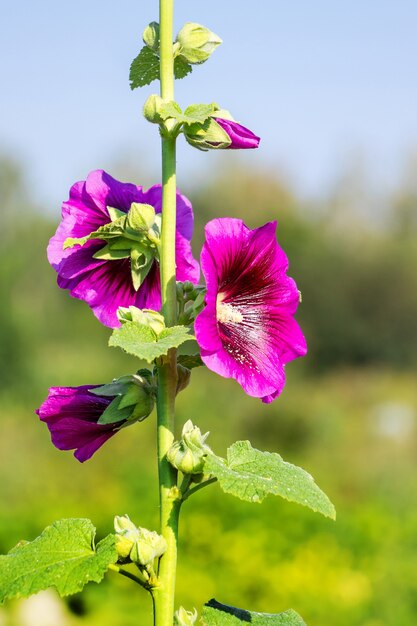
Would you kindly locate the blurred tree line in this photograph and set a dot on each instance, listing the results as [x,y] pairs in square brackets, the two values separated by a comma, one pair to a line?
[353,427]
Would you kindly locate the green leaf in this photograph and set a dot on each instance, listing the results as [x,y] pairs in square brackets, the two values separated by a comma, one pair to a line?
[181,68]
[63,556]
[198,113]
[142,342]
[144,68]
[216,614]
[170,109]
[251,475]
[195,113]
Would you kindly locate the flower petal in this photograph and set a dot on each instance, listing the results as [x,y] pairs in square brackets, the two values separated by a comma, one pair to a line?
[247,330]
[240,136]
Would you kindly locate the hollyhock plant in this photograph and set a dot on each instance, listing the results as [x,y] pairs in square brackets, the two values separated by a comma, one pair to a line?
[247,329]
[106,284]
[134,267]
[71,414]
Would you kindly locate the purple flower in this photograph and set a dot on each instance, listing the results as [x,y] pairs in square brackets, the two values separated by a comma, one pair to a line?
[240,136]
[247,329]
[71,414]
[107,284]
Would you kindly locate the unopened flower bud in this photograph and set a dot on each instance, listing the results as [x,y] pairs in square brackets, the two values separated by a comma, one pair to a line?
[152,108]
[196,42]
[219,133]
[151,36]
[122,523]
[146,317]
[183,377]
[188,454]
[141,545]
[126,535]
[147,547]
[185,618]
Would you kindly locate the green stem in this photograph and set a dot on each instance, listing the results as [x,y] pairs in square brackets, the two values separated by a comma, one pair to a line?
[190,492]
[164,594]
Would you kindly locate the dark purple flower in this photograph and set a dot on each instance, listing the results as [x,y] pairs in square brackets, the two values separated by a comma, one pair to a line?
[247,329]
[107,284]
[71,414]
[240,136]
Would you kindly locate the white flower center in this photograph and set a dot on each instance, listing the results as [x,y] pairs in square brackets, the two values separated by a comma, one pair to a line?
[226,313]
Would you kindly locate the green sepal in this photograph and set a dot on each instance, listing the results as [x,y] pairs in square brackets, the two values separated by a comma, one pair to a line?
[112,252]
[64,556]
[190,361]
[115,213]
[195,113]
[216,614]
[207,136]
[141,260]
[135,396]
[131,397]
[114,413]
[115,388]
[141,341]
[251,475]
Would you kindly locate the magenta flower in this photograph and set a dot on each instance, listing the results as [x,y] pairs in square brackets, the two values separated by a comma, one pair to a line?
[247,329]
[107,284]
[240,136]
[71,414]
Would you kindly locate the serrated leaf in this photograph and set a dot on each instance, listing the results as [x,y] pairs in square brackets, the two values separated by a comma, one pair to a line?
[251,475]
[198,113]
[63,556]
[170,109]
[195,113]
[181,68]
[141,341]
[216,614]
[144,68]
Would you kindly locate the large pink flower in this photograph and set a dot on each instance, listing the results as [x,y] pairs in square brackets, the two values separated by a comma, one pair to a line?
[107,284]
[247,329]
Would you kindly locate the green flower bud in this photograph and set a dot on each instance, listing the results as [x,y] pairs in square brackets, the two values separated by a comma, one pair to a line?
[147,547]
[152,108]
[151,36]
[147,317]
[183,380]
[188,454]
[196,42]
[123,523]
[140,218]
[141,545]
[207,136]
[185,618]
[126,535]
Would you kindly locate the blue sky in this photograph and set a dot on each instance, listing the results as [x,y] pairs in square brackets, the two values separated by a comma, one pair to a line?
[319,81]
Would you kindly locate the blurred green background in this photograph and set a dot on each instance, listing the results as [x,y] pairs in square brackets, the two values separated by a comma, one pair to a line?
[347,415]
